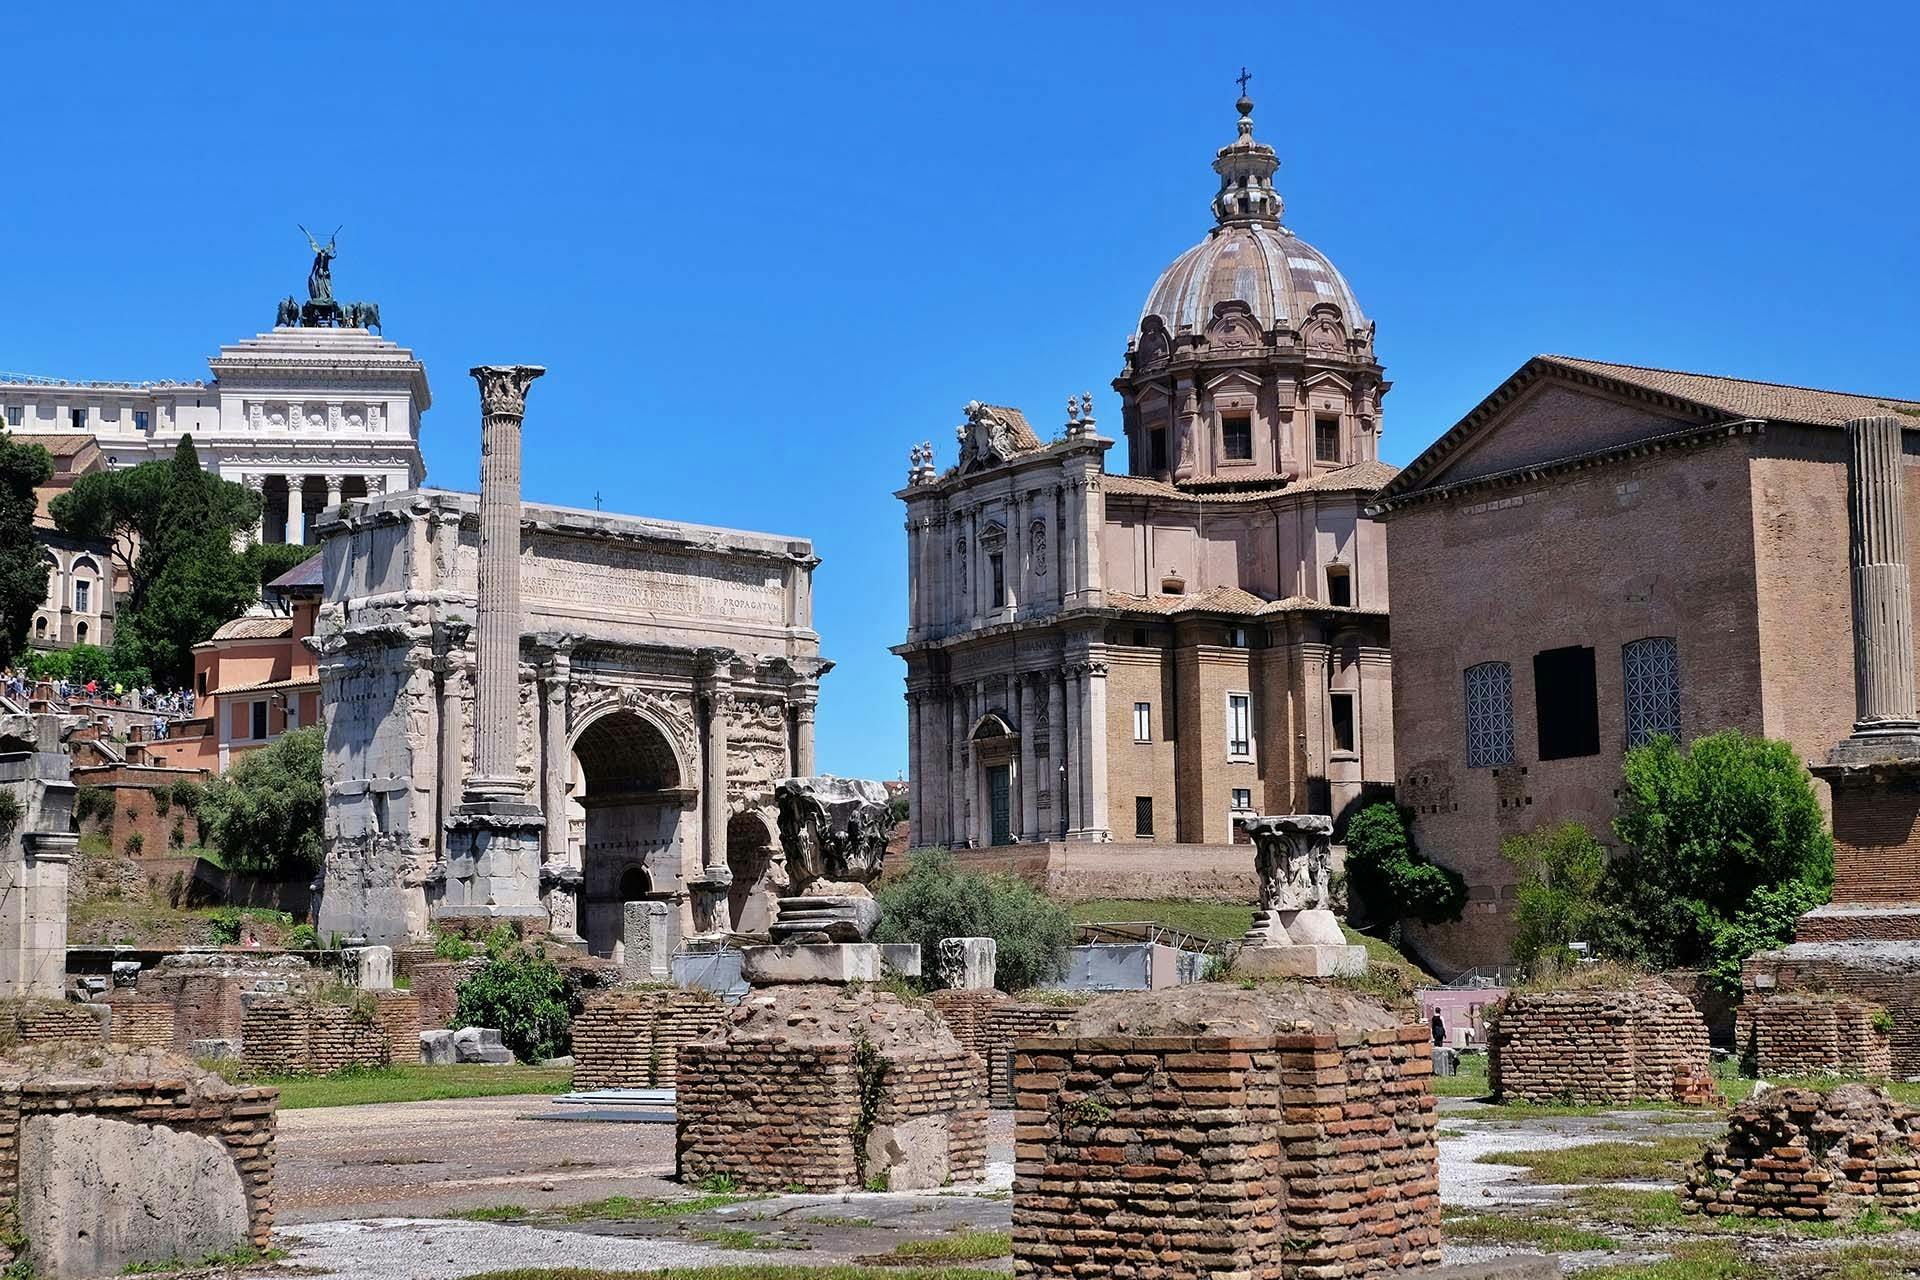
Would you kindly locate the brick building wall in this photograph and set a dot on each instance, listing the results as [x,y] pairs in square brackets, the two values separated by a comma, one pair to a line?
[281,1036]
[1592,1047]
[631,1039]
[1809,1034]
[1006,1026]
[769,1116]
[206,990]
[1193,1156]
[55,1022]
[1082,872]
[1134,768]
[139,802]
[398,1013]
[241,1119]
[1876,857]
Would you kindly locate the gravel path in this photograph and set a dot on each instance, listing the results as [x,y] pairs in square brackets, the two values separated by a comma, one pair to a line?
[429,1249]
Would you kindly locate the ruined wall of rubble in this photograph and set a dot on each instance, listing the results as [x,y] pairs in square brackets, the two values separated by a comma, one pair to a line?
[1597,1045]
[207,990]
[141,1024]
[141,1088]
[291,1036]
[1800,1153]
[633,1038]
[1187,1148]
[1798,1033]
[830,1088]
[437,986]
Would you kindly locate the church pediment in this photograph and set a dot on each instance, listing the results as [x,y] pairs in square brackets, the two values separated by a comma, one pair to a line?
[1233,325]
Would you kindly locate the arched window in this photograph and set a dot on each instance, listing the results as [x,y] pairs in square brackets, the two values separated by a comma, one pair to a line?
[1489,715]
[40,628]
[1650,678]
[80,633]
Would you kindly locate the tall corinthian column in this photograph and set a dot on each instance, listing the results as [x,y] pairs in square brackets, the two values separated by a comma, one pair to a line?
[496,726]
[1882,599]
[492,867]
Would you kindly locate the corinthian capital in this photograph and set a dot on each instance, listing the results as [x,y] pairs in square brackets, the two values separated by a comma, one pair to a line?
[503,387]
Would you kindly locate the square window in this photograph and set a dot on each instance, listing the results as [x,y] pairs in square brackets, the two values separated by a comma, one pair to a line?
[258,712]
[1326,439]
[1566,705]
[79,419]
[1143,722]
[1236,637]
[1339,586]
[15,414]
[1140,637]
[1143,815]
[141,420]
[1650,678]
[1243,798]
[1340,711]
[82,596]
[1236,436]
[1239,726]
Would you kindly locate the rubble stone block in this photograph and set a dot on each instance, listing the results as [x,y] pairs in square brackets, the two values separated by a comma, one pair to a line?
[967,964]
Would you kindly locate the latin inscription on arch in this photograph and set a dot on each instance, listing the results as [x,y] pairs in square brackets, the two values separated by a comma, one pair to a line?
[571,572]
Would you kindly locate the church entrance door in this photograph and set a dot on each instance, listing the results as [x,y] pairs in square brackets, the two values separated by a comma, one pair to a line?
[999,802]
[634,802]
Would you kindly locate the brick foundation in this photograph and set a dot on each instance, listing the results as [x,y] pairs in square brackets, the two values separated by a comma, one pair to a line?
[1006,1025]
[146,1088]
[207,990]
[776,1099]
[281,1036]
[398,1013]
[632,1039]
[1799,1153]
[1882,973]
[1298,1154]
[1597,1046]
[1795,1033]
[54,1023]
[436,984]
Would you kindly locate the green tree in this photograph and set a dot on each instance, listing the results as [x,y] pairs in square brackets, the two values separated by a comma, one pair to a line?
[935,900]
[24,563]
[175,526]
[522,993]
[1391,877]
[265,813]
[1722,840]
[1557,899]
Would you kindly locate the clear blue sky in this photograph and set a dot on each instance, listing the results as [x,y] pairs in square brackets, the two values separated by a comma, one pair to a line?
[762,253]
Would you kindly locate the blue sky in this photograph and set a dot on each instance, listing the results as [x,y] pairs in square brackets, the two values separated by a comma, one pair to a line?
[762,250]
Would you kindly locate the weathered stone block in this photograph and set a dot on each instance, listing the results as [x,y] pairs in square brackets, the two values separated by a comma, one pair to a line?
[967,964]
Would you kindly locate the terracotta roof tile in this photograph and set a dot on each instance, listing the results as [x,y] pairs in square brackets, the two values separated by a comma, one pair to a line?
[269,686]
[1743,398]
[255,628]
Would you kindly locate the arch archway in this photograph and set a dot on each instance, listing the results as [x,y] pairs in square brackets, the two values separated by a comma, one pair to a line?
[633,792]
[750,906]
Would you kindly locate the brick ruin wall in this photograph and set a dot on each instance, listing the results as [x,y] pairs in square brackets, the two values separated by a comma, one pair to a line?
[633,1038]
[127,801]
[1895,988]
[1802,1154]
[208,992]
[282,1036]
[1807,1034]
[1305,1155]
[772,1115]
[398,1013]
[241,1119]
[141,1024]
[1597,1046]
[769,1115]
[436,984]
[1006,1025]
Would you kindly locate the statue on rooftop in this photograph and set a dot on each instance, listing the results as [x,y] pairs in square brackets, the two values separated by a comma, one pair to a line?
[320,277]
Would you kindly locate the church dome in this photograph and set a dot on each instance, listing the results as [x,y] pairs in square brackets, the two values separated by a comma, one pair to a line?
[1249,256]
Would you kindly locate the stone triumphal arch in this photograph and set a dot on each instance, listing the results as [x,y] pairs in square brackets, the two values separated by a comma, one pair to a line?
[668,677]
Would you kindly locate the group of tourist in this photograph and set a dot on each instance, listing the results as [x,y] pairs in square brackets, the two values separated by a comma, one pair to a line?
[165,704]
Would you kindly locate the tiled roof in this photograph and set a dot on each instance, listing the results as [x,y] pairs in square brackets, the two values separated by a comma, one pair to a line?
[59,445]
[269,686]
[1361,477]
[304,574]
[1742,398]
[1021,432]
[254,628]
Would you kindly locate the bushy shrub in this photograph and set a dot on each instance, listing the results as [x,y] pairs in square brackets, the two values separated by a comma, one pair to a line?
[935,900]
[522,992]
[1391,877]
[11,811]
[1725,846]
[134,845]
[93,802]
[223,927]
[1557,899]
[303,937]
[265,815]
[186,794]
[451,946]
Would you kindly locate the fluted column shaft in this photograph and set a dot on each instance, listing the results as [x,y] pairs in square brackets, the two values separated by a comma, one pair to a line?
[496,750]
[1882,599]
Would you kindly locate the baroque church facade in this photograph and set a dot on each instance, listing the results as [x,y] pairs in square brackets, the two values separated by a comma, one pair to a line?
[1153,656]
